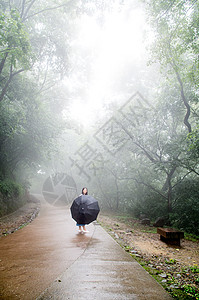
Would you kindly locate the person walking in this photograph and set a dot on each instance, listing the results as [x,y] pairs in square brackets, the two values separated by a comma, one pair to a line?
[84,210]
[81,224]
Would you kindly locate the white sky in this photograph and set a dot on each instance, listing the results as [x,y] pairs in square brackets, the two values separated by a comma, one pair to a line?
[99,53]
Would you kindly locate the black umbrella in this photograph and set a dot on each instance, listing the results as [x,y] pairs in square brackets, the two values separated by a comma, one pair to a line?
[84,209]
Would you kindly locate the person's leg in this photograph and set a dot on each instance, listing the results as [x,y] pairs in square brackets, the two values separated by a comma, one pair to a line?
[80,228]
[84,228]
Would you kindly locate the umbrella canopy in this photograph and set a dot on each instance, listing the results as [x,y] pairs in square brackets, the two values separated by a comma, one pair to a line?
[84,209]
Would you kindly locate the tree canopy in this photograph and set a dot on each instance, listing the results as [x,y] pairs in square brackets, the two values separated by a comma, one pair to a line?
[141,155]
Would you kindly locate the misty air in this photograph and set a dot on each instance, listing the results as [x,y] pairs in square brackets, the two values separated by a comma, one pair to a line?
[99,149]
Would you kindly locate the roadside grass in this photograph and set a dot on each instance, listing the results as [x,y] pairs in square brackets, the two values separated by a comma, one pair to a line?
[18,219]
[191,237]
[186,291]
[7,231]
[129,220]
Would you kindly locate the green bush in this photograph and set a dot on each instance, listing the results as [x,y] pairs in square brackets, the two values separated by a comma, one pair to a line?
[9,188]
[186,206]
[11,196]
[151,205]
[3,207]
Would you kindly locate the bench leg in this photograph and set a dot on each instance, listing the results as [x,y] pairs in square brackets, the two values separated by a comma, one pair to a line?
[170,241]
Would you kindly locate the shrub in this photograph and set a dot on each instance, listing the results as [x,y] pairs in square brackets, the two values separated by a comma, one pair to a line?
[10,188]
[11,196]
[151,205]
[186,206]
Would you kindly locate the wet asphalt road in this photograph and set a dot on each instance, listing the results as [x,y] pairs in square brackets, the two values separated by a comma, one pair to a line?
[49,259]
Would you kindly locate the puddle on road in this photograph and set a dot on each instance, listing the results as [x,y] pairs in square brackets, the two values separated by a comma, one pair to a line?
[82,240]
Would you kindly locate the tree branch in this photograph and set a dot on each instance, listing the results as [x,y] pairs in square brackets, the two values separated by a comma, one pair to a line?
[3,92]
[3,62]
[102,191]
[44,10]
[28,8]
[10,7]
[169,176]
[186,118]
[22,8]
[137,144]
[182,179]
[151,187]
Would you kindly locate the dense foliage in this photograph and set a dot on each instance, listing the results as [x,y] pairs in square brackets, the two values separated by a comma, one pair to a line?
[12,196]
[156,171]
[30,61]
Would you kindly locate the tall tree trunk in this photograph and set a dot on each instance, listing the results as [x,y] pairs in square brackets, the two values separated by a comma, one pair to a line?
[2,63]
[22,8]
[167,186]
[168,180]
[4,90]
[25,12]
[186,118]
[117,194]
[169,197]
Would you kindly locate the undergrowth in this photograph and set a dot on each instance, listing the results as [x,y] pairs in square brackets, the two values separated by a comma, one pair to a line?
[187,289]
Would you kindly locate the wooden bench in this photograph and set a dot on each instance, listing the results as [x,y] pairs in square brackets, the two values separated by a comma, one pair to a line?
[170,236]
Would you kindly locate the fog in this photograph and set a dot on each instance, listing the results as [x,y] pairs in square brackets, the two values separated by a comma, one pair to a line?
[102,94]
[107,46]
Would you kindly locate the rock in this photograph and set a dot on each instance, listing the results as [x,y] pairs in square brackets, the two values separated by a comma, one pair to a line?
[145,221]
[142,216]
[163,275]
[122,232]
[160,222]
[133,251]
[173,286]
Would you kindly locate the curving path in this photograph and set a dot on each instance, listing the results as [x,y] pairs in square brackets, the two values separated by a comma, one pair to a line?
[49,259]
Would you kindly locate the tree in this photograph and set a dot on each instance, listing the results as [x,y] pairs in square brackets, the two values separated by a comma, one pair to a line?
[176,46]
[31,57]
[28,131]
[193,139]
[15,49]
